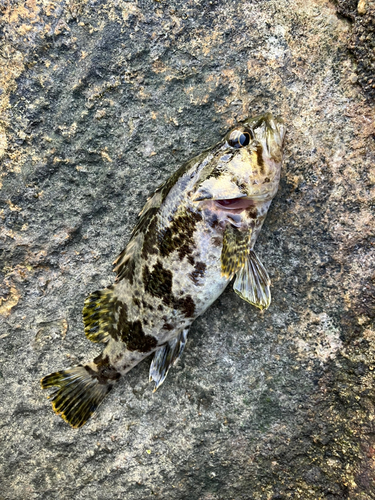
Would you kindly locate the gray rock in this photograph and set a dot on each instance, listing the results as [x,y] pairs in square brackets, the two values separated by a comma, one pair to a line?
[101,102]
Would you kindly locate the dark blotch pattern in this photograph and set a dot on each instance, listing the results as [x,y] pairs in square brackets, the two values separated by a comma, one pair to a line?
[199,270]
[213,220]
[217,172]
[179,234]
[158,283]
[191,260]
[168,326]
[136,301]
[148,222]
[105,371]
[253,212]
[146,305]
[259,153]
[186,305]
[132,334]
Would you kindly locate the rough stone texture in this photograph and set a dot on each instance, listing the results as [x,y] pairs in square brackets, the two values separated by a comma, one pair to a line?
[362,42]
[101,101]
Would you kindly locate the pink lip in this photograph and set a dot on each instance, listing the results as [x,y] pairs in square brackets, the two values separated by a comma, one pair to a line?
[234,204]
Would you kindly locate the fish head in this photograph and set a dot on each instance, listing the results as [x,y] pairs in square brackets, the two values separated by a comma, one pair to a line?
[245,167]
[259,163]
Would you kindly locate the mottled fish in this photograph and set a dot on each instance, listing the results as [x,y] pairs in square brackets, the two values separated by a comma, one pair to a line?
[193,236]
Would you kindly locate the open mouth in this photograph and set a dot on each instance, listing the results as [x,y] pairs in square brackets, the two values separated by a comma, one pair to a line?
[234,204]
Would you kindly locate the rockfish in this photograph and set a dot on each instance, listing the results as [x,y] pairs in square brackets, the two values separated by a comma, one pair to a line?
[193,236]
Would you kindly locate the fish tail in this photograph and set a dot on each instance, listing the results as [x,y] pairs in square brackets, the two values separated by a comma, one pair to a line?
[81,390]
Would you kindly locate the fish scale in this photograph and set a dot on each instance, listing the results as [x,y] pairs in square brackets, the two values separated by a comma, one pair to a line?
[194,235]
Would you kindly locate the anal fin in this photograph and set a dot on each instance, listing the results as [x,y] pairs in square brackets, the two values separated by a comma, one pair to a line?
[165,357]
[253,283]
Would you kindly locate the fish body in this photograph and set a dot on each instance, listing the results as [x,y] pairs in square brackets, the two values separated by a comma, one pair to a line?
[193,236]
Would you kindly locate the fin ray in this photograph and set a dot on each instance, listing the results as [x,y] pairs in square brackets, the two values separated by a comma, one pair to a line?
[235,251]
[99,315]
[253,283]
[78,396]
[166,357]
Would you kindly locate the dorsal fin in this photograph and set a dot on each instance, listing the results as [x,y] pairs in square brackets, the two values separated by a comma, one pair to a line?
[99,315]
[124,265]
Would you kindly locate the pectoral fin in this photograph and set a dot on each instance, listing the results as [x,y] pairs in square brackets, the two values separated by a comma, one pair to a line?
[252,282]
[165,357]
[235,252]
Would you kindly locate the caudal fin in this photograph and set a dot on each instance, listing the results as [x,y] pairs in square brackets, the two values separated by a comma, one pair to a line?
[80,394]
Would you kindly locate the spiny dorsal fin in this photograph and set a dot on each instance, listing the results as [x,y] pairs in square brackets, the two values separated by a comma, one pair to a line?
[99,315]
[165,357]
[253,283]
[125,262]
[235,252]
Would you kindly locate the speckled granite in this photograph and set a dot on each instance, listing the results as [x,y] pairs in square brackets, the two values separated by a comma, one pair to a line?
[100,102]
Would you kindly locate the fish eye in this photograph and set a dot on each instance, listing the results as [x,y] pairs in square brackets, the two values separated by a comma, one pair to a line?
[239,139]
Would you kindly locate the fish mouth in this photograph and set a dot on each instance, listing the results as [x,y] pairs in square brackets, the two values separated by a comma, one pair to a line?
[234,203]
[238,205]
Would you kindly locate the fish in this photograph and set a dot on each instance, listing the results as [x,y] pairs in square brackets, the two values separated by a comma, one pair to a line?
[194,235]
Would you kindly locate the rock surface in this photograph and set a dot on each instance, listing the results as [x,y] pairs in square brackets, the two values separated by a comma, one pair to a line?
[101,101]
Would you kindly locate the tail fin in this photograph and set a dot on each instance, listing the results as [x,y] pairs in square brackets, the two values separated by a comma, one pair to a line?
[79,395]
